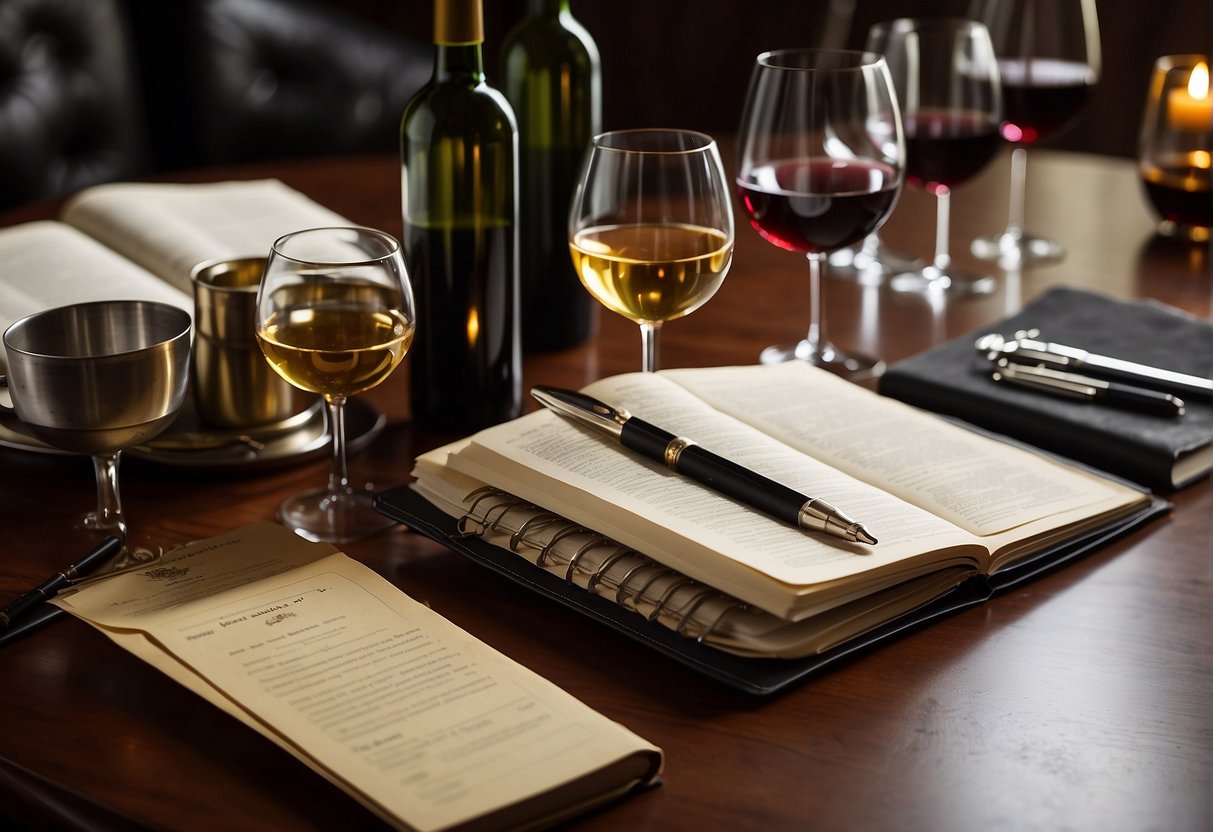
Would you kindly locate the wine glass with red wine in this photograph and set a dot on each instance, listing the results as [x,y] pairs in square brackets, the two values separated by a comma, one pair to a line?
[946,76]
[820,166]
[1048,58]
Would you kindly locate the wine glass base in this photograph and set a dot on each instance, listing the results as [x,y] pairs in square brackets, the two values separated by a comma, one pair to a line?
[137,549]
[1018,248]
[851,366]
[933,279]
[870,265]
[319,515]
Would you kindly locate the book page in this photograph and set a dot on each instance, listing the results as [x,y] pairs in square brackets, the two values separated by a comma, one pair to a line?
[980,484]
[168,229]
[48,264]
[418,719]
[590,479]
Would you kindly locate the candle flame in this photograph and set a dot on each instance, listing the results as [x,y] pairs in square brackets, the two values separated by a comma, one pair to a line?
[473,327]
[1198,81]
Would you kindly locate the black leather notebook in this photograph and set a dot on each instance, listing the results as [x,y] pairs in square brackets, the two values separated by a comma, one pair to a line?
[1159,452]
[759,676]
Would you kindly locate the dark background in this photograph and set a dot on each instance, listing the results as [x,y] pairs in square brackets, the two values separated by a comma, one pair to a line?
[686,63]
[102,90]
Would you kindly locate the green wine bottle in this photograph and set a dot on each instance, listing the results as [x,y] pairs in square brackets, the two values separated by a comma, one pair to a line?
[459,170]
[552,77]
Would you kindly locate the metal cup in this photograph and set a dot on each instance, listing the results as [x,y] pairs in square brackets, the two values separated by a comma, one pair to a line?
[234,386]
[94,378]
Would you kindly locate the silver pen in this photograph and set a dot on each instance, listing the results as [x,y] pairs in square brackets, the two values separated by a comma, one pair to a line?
[683,456]
[1025,348]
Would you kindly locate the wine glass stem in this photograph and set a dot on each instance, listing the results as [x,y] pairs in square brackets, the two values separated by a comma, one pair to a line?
[1019,183]
[339,480]
[816,335]
[109,502]
[648,346]
[943,199]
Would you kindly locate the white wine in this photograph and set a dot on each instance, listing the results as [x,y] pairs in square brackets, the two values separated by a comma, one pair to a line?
[652,273]
[335,350]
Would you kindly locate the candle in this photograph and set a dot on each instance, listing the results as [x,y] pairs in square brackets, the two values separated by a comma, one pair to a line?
[1191,108]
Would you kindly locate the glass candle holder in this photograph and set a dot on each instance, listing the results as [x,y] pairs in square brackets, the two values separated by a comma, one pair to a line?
[1174,159]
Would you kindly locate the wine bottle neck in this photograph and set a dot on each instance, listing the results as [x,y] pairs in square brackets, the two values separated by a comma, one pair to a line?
[458,35]
[458,61]
[548,8]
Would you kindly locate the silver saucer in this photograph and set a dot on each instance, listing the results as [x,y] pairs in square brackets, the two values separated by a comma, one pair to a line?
[191,444]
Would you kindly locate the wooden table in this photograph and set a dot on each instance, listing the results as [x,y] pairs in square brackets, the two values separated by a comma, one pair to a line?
[1081,701]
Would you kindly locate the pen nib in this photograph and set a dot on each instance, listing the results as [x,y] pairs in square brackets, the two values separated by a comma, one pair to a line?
[862,536]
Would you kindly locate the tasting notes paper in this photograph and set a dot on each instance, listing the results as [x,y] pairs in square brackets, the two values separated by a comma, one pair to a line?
[427,726]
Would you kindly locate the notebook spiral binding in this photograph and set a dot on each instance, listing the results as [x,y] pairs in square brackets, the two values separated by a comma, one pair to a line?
[599,565]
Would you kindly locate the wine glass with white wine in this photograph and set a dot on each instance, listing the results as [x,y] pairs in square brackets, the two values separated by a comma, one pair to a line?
[335,317]
[651,226]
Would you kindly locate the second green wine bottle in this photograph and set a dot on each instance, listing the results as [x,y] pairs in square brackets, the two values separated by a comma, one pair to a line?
[551,75]
[459,170]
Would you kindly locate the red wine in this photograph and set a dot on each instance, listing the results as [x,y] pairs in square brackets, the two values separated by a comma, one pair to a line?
[818,205]
[947,147]
[1041,96]
[1180,192]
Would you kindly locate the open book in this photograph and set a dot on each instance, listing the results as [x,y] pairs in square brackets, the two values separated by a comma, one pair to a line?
[946,504]
[425,725]
[128,241]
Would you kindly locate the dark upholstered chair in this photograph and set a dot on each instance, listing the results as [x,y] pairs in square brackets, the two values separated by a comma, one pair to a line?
[100,90]
[69,112]
[285,78]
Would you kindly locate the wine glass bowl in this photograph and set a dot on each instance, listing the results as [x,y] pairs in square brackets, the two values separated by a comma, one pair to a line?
[820,167]
[335,316]
[97,378]
[947,81]
[1049,64]
[651,226]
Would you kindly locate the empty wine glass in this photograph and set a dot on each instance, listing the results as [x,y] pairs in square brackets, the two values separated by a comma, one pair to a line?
[335,317]
[820,167]
[1048,58]
[651,226]
[97,378]
[946,76]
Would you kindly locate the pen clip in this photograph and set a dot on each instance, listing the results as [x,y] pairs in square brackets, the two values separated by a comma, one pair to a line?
[1025,348]
[1047,379]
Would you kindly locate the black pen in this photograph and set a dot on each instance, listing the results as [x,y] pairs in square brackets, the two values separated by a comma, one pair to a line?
[685,457]
[88,564]
[1078,386]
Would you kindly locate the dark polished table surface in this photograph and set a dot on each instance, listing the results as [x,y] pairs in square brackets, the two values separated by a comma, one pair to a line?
[1080,701]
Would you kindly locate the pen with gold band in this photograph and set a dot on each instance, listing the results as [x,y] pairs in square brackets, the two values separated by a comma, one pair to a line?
[685,457]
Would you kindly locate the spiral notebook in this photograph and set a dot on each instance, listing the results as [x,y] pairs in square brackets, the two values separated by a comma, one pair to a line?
[700,627]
